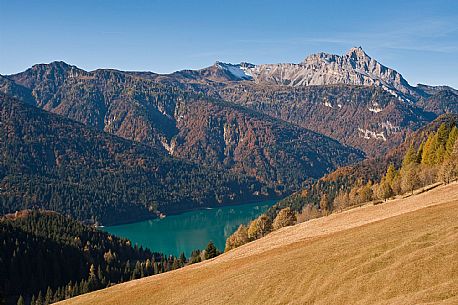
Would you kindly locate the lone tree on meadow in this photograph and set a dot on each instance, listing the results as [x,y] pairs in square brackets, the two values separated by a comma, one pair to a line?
[238,238]
[259,227]
[285,217]
[211,251]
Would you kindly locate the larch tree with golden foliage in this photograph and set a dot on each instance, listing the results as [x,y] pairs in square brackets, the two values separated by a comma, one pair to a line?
[384,190]
[324,204]
[341,200]
[238,238]
[284,218]
[259,227]
[409,178]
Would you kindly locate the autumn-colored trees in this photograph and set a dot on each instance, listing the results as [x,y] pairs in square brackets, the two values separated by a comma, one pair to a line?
[409,178]
[384,190]
[449,168]
[341,200]
[435,159]
[259,227]
[285,217]
[238,238]
[425,163]
[324,204]
[308,212]
[439,145]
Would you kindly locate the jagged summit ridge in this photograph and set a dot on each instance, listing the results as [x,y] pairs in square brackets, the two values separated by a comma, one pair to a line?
[355,67]
[356,53]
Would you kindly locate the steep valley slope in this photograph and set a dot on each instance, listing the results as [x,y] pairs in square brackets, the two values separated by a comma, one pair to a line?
[183,123]
[351,97]
[51,162]
[403,251]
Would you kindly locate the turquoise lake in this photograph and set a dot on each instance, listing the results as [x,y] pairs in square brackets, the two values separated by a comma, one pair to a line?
[191,230]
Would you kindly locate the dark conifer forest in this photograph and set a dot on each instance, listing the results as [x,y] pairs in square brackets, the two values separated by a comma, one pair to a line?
[48,257]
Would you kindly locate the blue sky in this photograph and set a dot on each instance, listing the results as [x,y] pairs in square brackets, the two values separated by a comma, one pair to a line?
[417,38]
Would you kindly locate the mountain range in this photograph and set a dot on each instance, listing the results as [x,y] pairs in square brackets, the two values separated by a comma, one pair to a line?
[352,98]
[270,127]
[353,68]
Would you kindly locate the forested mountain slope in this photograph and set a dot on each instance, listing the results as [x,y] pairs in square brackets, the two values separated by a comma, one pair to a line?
[183,121]
[351,98]
[423,157]
[48,257]
[368,118]
[57,164]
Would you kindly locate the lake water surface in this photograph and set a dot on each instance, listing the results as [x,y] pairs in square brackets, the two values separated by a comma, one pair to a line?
[191,230]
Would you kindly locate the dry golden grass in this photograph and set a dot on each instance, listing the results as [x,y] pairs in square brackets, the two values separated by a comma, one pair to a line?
[401,252]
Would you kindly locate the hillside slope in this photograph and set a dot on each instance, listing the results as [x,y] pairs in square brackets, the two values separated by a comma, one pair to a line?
[399,252]
[354,178]
[42,249]
[55,163]
[186,124]
[352,98]
[368,118]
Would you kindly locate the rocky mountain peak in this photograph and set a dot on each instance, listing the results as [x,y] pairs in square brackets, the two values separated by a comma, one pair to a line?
[357,53]
[355,67]
[54,68]
[58,64]
[54,72]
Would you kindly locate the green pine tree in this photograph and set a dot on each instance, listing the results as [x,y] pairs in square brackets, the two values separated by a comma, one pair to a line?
[420,152]
[410,156]
[429,150]
[390,174]
[453,135]
[182,259]
[176,264]
[20,301]
[100,277]
[440,155]
[210,251]
[442,134]
[39,300]
[92,281]
[84,288]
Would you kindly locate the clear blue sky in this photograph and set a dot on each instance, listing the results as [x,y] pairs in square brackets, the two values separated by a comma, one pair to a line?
[417,38]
